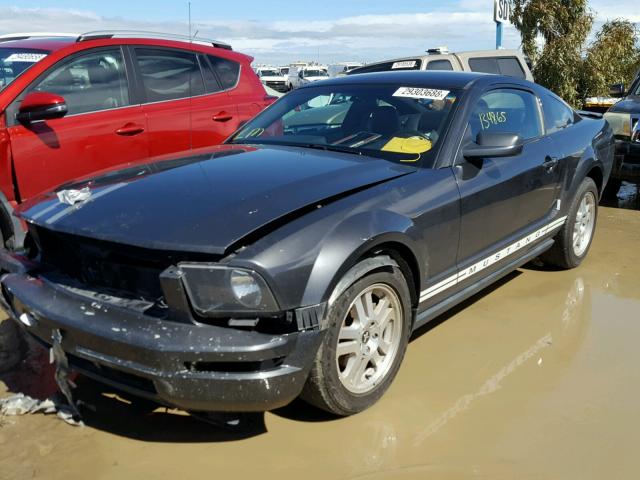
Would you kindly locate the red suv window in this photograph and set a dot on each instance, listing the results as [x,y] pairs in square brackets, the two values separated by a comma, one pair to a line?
[169,74]
[89,83]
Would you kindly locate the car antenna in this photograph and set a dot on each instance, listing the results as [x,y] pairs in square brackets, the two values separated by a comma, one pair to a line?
[190,82]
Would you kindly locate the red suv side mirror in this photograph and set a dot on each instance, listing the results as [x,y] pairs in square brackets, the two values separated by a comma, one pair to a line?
[41,106]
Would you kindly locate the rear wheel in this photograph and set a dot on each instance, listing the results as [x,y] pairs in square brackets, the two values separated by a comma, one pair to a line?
[369,327]
[573,241]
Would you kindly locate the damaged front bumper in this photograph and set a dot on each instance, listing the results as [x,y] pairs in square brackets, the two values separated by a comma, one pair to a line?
[188,365]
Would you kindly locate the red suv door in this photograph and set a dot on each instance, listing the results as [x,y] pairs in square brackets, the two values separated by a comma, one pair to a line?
[101,129]
[215,116]
[183,111]
[168,79]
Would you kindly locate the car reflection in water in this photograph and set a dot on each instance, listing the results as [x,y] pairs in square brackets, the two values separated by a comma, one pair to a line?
[389,450]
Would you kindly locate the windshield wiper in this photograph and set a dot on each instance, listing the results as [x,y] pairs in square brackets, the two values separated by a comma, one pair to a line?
[315,146]
[329,147]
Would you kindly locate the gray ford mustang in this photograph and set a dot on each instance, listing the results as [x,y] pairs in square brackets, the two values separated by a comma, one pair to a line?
[297,258]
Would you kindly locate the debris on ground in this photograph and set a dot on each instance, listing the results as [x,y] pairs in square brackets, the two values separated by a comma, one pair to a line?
[21,404]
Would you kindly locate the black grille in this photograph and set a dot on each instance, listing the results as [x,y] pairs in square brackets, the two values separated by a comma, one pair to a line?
[98,263]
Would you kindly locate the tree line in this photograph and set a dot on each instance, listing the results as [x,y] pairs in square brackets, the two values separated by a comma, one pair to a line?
[555,37]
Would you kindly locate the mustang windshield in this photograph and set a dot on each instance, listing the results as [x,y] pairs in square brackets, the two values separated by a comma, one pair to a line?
[14,61]
[395,122]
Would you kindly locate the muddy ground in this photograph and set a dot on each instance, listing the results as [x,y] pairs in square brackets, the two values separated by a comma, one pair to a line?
[537,377]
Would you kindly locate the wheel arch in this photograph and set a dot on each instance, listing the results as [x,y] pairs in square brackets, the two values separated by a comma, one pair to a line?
[381,235]
[596,174]
[587,168]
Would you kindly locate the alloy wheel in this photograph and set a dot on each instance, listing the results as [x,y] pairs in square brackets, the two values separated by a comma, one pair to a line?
[584,224]
[369,338]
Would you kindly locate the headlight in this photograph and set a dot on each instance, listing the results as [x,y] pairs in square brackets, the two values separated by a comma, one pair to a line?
[216,290]
[620,123]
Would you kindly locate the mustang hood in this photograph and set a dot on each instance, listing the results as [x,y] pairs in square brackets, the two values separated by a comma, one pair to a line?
[205,203]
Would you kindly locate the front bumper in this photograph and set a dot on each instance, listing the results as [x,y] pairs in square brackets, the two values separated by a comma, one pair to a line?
[191,366]
[626,165]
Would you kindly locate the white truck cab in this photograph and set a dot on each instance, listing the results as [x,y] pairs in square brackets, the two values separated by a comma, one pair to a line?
[274,78]
[307,74]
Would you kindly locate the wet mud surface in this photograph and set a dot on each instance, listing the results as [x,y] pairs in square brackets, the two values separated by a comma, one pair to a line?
[536,377]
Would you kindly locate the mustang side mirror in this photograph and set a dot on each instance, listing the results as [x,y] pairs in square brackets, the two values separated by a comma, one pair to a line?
[616,90]
[41,106]
[493,145]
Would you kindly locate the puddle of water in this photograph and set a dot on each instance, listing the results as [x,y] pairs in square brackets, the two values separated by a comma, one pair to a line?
[534,379]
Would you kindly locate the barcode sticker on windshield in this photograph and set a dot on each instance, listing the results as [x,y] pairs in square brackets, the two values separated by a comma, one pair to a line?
[25,57]
[405,64]
[427,93]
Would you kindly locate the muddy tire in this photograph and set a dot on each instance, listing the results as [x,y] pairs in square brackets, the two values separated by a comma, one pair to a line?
[573,241]
[612,188]
[368,331]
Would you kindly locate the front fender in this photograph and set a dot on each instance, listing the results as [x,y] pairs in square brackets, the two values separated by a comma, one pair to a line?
[348,242]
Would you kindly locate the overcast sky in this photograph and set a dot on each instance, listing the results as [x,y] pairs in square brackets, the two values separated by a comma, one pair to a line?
[278,32]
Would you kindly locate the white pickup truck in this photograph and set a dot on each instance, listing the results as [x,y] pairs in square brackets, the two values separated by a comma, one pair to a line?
[274,78]
[301,76]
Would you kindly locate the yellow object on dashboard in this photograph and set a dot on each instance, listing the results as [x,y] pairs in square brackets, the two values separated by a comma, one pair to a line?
[417,145]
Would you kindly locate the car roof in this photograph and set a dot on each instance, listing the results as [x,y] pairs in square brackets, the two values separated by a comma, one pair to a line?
[434,77]
[50,44]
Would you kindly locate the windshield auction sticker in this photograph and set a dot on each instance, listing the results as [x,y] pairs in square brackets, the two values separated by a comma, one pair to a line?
[404,64]
[25,57]
[416,92]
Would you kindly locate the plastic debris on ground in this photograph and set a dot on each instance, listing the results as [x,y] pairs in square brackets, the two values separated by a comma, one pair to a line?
[21,404]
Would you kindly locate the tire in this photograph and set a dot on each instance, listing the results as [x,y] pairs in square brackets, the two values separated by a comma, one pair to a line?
[329,386]
[612,188]
[564,253]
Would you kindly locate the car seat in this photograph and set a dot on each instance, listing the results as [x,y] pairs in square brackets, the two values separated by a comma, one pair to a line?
[384,120]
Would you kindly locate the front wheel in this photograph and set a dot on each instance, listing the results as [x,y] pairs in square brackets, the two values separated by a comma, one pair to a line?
[369,327]
[573,241]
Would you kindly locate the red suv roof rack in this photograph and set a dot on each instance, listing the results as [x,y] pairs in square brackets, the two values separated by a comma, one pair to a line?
[101,34]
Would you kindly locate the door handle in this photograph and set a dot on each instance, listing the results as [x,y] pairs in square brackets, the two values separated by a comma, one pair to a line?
[222,117]
[550,163]
[129,130]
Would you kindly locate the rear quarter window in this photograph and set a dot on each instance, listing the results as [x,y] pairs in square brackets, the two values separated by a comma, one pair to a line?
[228,71]
[557,115]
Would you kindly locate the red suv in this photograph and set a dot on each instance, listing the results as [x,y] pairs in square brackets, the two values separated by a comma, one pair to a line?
[71,106]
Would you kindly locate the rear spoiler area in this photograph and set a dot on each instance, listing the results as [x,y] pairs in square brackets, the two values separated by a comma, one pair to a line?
[586,114]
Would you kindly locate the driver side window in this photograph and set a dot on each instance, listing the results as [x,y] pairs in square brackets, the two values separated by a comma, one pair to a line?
[90,83]
[506,111]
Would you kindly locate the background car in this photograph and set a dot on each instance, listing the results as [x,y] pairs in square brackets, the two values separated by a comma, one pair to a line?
[624,117]
[298,257]
[501,62]
[70,106]
[274,78]
[304,75]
